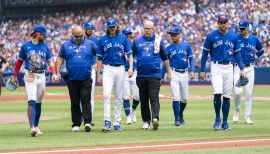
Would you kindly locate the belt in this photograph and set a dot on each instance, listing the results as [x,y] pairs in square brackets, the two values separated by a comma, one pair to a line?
[179,70]
[222,62]
[37,71]
[115,65]
[245,65]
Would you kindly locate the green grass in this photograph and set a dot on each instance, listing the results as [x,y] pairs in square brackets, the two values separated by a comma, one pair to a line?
[199,116]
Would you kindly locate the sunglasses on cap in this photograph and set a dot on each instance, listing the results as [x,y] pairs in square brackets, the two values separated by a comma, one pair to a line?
[77,36]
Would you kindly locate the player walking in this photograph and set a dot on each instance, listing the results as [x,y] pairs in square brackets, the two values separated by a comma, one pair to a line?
[250,46]
[222,46]
[112,49]
[35,54]
[180,56]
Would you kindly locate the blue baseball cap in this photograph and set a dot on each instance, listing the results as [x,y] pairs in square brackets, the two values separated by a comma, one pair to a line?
[89,26]
[111,23]
[243,24]
[222,18]
[174,30]
[126,31]
[41,29]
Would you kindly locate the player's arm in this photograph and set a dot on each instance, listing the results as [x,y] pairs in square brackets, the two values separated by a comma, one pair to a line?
[206,49]
[129,53]
[19,63]
[59,61]
[164,57]
[99,60]
[259,48]
[238,58]
[191,63]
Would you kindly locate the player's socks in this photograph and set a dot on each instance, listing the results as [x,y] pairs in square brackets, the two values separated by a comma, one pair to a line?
[31,112]
[135,104]
[176,109]
[182,108]
[38,113]
[225,108]
[217,105]
[126,107]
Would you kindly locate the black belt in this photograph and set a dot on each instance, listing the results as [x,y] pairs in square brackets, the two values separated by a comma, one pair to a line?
[115,65]
[37,71]
[222,62]
[179,70]
[245,65]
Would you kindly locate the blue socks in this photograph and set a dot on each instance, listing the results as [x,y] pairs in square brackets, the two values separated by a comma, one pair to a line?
[135,104]
[217,105]
[38,113]
[225,109]
[31,112]
[127,107]
[182,108]
[176,109]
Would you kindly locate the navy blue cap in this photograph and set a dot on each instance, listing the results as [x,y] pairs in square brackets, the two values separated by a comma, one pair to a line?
[41,29]
[89,26]
[222,18]
[243,24]
[174,30]
[126,31]
[111,23]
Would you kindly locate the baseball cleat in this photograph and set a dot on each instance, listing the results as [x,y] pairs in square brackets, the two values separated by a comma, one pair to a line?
[248,120]
[236,115]
[182,122]
[145,126]
[225,126]
[133,116]
[87,127]
[38,131]
[107,126]
[75,129]
[177,123]
[216,125]
[155,124]
[117,128]
[33,132]
[129,121]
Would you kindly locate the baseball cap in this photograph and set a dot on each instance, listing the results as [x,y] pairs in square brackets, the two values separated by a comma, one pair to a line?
[126,31]
[111,23]
[243,24]
[222,18]
[89,26]
[41,29]
[174,30]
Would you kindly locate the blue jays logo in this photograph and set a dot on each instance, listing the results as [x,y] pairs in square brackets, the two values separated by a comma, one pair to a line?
[230,52]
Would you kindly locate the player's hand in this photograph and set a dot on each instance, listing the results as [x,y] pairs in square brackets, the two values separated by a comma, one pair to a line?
[169,76]
[243,74]
[192,75]
[14,79]
[94,66]
[130,72]
[203,75]
[55,78]
[99,81]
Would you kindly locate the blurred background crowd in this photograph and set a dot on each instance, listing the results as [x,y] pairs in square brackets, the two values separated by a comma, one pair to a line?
[195,18]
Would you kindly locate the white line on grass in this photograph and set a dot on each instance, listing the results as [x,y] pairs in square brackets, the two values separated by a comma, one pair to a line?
[138,147]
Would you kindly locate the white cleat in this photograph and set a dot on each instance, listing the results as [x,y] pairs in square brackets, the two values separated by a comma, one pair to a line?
[129,121]
[87,127]
[145,126]
[236,115]
[133,116]
[248,120]
[76,129]
[33,132]
[38,131]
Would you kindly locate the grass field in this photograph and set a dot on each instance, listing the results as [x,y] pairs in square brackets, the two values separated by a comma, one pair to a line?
[199,117]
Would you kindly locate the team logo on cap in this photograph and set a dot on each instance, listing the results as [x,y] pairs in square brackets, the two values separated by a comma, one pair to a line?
[223,17]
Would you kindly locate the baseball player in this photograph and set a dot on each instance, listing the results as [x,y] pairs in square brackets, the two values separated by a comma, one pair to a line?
[250,46]
[34,54]
[3,65]
[222,46]
[130,87]
[89,27]
[112,49]
[180,56]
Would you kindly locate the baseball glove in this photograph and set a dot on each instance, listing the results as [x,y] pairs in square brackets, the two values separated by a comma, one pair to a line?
[241,82]
[12,85]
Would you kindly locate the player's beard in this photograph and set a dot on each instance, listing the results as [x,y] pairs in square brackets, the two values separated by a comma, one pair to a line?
[41,39]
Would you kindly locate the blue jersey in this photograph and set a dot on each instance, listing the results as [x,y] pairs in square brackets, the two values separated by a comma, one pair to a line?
[148,61]
[78,58]
[222,48]
[35,56]
[180,55]
[95,40]
[112,50]
[250,47]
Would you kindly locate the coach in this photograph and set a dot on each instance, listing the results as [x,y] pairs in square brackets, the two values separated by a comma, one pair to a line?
[78,52]
[149,49]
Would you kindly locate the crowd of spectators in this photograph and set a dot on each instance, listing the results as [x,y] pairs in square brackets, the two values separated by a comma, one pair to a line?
[195,20]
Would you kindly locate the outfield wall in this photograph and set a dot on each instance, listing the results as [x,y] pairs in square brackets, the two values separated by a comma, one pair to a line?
[262,76]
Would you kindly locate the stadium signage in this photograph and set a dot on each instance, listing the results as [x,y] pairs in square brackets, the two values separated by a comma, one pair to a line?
[28,2]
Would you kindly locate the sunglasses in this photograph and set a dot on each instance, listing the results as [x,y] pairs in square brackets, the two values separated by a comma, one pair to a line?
[222,22]
[77,36]
[241,29]
[173,35]
[111,27]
